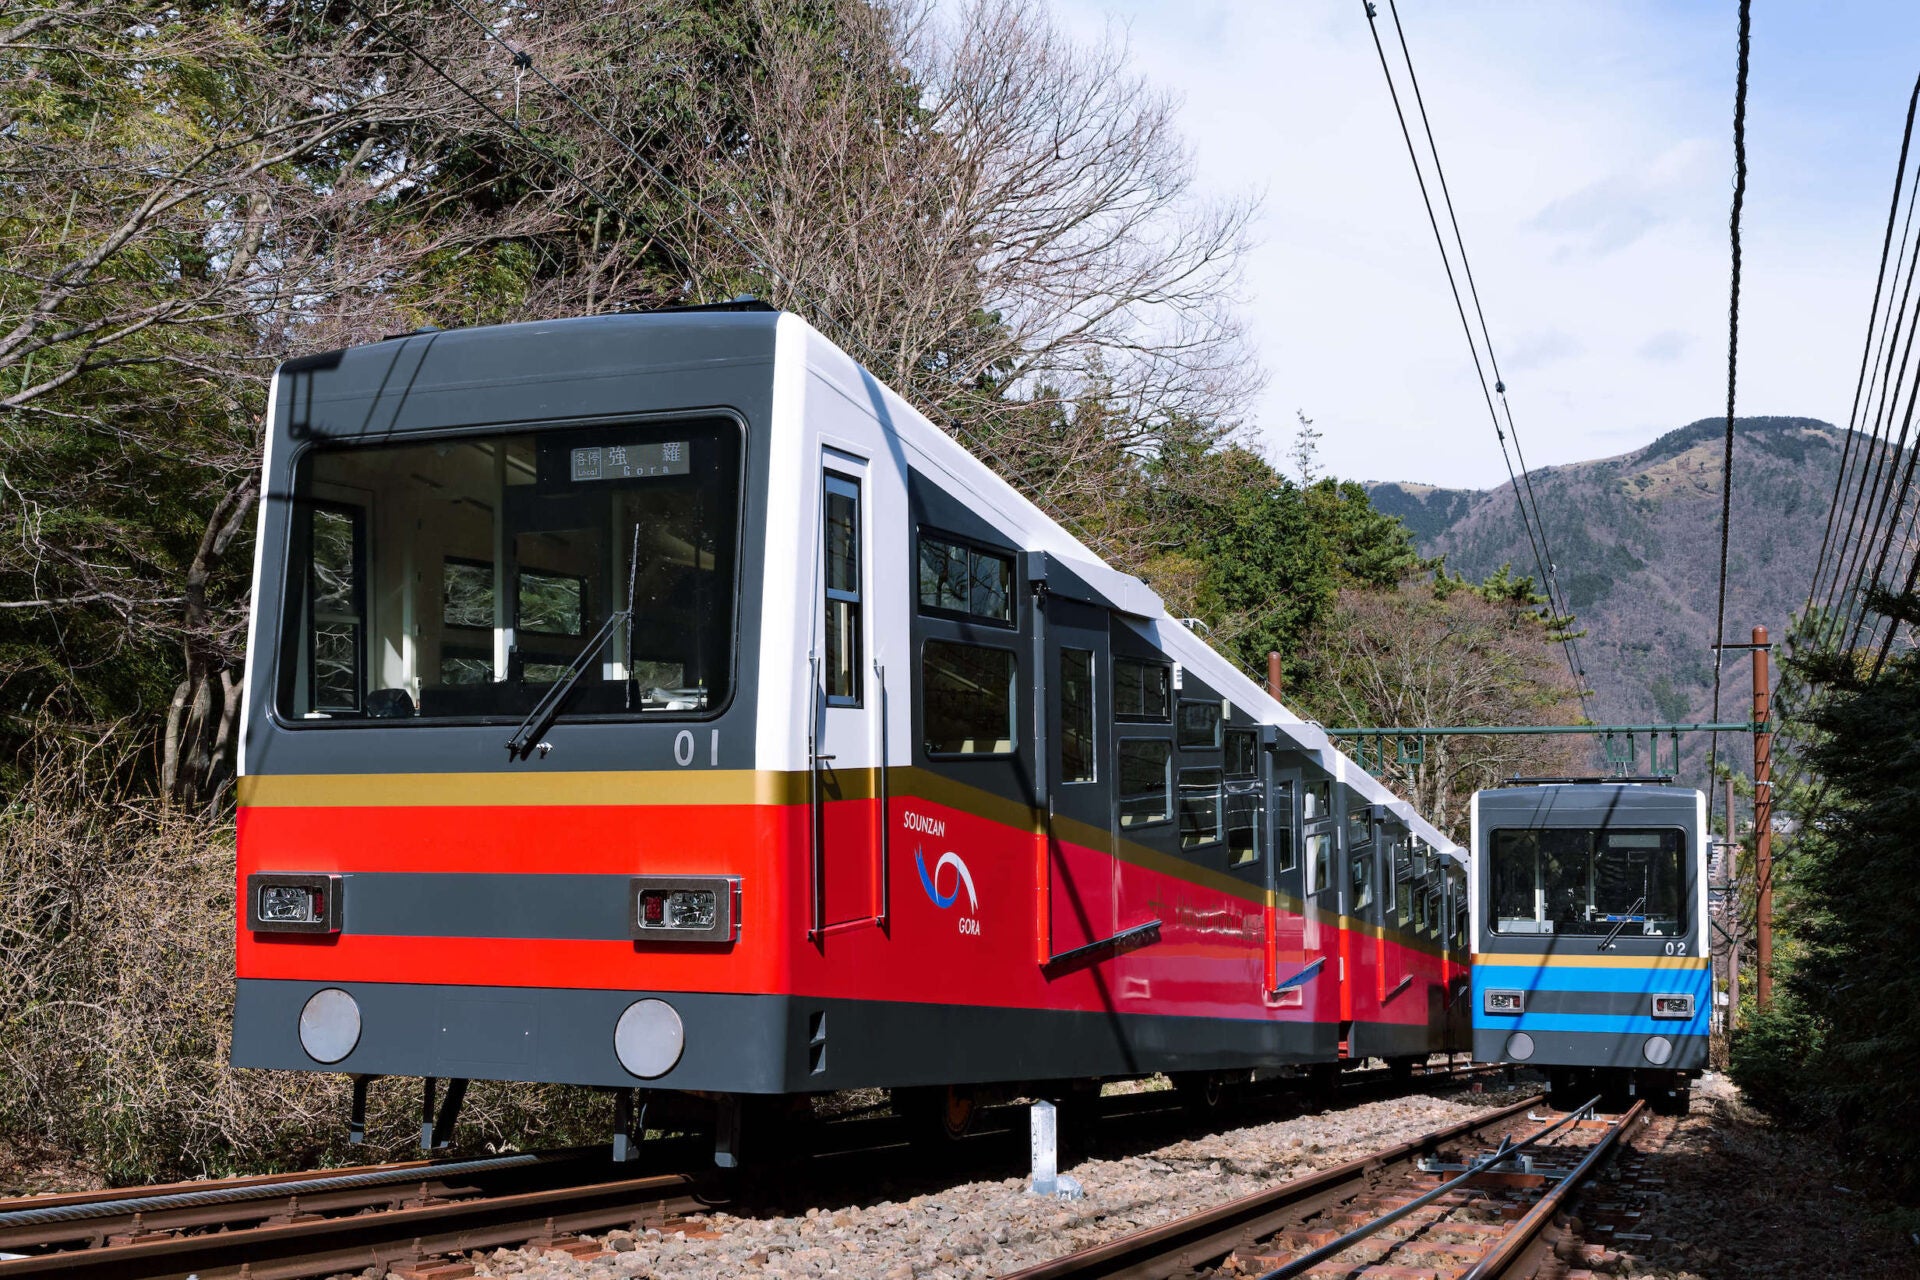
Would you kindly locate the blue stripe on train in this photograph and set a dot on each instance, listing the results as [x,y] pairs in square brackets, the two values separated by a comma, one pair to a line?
[1560,977]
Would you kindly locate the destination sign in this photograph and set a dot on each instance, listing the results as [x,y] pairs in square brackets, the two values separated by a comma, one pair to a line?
[630,461]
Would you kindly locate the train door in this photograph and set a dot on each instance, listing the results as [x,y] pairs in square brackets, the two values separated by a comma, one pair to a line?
[1359,946]
[1082,873]
[1286,967]
[846,786]
[1323,885]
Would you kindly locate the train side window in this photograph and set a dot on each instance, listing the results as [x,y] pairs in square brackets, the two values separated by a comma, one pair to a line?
[961,580]
[337,605]
[1142,691]
[1245,823]
[1243,753]
[1076,716]
[842,545]
[1320,861]
[1146,781]
[967,697]
[1200,807]
[1359,826]
[1360,873]
[1199,726]
[1283,855]
[1316,801]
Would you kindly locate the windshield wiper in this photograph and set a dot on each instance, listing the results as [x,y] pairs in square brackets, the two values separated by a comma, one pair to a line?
[1625,920]
[520,745]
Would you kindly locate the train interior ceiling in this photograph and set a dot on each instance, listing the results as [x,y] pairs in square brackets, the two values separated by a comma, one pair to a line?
[459,578]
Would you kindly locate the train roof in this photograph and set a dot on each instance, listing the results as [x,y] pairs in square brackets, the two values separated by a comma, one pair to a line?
[434,377]
[1588,803]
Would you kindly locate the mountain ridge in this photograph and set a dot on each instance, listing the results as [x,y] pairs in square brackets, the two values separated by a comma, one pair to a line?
[1637,541]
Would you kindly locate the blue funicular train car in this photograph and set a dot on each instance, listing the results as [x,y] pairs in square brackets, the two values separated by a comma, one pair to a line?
[1590,945]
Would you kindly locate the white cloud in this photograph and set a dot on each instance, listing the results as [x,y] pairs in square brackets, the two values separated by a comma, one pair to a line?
[1588,156]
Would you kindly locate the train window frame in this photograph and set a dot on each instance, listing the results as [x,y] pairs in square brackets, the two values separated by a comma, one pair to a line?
[1359,881]
[722,424]
[1216,790]
[1085,727]
[1239,745]
[1312,789]
[1120,794]
[1121,715]
[1320,860]
[843,605]
[1252,797]
[1548,929]
[929,536]
[1212,739]
[1287,857]
[1362,836]
[361,617]
[1013,701]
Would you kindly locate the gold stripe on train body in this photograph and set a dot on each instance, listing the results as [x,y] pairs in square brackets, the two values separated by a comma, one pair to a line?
[1516,959]
[749,787]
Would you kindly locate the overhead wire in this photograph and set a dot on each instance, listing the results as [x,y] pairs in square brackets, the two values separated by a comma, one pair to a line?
[1733,363]
[1818,614]
[1876,469]
[1556,595]
[1527,522]
[1865,430]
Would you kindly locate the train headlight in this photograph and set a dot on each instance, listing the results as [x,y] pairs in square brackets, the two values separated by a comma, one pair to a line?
[293,902]
[329,1025]
[1520,1046]
[684,908]
[648,1038]
[1657,1050]
[1496,1001]
[1674,1005]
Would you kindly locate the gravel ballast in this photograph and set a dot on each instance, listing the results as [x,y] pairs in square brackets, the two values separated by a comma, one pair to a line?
[988,1228]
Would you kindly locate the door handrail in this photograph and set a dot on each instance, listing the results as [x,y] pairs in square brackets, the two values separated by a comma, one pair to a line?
[1132,939]
[1302,978]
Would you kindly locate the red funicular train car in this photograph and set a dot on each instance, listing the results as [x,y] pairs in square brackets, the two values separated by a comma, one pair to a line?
[660,702]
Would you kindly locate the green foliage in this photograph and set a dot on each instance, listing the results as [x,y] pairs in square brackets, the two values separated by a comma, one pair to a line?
[1771,1056]
[1848,894]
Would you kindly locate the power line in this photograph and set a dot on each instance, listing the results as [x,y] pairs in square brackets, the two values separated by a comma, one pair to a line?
[1885,324]
[1851,564]
[1446,261]
[1556,596]
[1733,360]
[1866,351]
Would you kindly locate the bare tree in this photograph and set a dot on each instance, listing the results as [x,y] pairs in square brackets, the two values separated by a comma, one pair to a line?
[1410,657]
[990,214]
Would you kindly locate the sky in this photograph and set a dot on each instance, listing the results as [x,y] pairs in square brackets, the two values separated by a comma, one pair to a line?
[1589,149]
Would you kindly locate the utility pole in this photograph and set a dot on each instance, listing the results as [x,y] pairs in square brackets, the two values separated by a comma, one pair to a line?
[1762,822]
[1274,674]
[1730,914]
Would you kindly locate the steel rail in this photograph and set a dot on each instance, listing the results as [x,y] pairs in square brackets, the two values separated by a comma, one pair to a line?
[331,1246]
[1202,1237]
[1516,1245]
[12,1203]
[1506,1151]
[44,1216]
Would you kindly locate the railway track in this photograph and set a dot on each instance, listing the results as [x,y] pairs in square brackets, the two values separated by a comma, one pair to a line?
[1474,1201]
[413,1214]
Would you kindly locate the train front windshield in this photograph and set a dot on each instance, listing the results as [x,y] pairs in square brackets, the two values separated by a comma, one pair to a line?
[459,577]
[1589,881]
